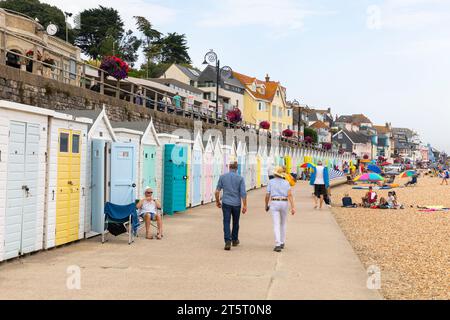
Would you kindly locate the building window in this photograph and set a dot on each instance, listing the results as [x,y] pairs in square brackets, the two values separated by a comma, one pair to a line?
[289,113]
[340,136]
[280,112]
[274,111]
[344,146]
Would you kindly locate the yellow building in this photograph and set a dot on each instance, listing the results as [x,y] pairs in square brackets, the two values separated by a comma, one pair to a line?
[265,101]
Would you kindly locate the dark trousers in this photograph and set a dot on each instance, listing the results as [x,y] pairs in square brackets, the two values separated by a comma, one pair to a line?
[228,212]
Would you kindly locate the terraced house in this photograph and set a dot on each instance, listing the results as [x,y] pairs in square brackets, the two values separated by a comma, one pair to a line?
[265,101]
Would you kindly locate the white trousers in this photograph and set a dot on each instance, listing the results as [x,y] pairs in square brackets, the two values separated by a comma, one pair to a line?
[279,210]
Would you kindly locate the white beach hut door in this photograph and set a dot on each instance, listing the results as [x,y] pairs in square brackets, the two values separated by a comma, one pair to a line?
[21,207]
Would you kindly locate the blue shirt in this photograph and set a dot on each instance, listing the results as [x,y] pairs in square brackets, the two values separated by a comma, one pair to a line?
[233,186]
[278,187]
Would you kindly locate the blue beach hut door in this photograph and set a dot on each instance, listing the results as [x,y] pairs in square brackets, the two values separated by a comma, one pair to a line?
[98,185]
[123,173]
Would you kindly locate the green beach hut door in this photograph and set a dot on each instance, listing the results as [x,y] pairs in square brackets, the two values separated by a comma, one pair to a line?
[175,158]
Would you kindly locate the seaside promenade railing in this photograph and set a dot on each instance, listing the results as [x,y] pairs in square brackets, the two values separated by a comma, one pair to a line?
[78,73]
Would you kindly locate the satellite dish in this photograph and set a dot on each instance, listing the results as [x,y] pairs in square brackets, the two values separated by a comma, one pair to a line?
[52,29]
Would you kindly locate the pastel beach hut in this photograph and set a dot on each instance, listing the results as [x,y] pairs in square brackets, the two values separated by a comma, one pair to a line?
[226,153]
[252,168]
[218,162]
[100,140]
[188,144]
[197,182]
[25,164]
[208,159]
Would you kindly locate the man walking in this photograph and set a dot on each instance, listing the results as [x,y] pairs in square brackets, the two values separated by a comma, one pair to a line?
[234,191]
[320,179]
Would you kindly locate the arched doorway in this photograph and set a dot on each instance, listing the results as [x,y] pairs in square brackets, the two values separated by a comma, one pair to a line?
[12,59]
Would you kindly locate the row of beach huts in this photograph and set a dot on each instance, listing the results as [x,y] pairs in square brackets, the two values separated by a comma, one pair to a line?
[57,170]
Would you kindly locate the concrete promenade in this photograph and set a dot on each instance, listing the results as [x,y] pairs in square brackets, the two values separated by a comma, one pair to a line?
[190,263]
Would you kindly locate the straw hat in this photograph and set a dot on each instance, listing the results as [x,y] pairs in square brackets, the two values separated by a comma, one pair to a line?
[279,172]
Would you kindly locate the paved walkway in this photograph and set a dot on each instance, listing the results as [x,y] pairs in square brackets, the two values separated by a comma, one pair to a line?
[190,263]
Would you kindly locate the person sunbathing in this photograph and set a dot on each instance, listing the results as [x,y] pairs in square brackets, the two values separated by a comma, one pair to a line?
[412,182]
[148,207]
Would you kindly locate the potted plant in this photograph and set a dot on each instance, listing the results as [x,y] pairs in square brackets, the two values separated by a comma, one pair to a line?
[49,63]
[234,116]
[264,125]
[115,67]
[287,133]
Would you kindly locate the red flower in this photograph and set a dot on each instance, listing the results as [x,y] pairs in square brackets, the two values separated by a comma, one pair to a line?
[288,133]
[264,125]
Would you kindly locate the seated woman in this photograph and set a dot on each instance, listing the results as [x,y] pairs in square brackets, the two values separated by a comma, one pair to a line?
[347,201]
[370,199]
[383,203]
[148,208]
[392,201]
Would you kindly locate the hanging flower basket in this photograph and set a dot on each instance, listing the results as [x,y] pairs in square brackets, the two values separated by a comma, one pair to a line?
[366,157]
[115,67]
[265,125]
[234,116]
[326,145]
[288,133]
[49,63]
[308,139]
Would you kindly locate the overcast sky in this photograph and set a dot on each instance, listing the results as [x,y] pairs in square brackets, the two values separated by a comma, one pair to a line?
[388,59]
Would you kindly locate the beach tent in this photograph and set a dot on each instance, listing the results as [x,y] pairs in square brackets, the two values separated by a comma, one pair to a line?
[197,182]
[218,163]
[25,164]
[188,144]
[100,141]
[208,160]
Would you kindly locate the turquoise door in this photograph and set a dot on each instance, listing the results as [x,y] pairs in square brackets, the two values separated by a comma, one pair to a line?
[149,170]
[123,173]
[97,185]
[22,193]
[175,158]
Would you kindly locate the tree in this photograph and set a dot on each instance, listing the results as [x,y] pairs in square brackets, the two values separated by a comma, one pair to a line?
[151,41]
[311,133]
[174,49]
[45,13]
[98,25]
[125,47]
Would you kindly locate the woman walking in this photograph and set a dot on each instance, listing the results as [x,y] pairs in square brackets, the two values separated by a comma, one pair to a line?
[278,195]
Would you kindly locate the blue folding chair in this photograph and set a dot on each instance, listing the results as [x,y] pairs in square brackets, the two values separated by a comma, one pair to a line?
[120,219]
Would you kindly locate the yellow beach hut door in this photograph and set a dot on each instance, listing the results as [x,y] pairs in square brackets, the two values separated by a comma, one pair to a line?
[68,187]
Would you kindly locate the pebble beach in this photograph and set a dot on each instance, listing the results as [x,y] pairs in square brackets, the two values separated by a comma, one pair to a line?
[411,248]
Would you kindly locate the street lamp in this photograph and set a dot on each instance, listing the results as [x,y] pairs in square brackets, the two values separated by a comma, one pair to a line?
[296,104]
[226,71]
[67,14]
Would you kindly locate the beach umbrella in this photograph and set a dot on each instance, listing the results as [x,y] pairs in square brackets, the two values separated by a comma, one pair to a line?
[307,165]
[369,177]
[374,168]
[407,174]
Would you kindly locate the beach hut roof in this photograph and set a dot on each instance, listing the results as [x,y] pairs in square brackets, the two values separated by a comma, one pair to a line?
[198,143]
[121,126]
[209,146]
[97,116]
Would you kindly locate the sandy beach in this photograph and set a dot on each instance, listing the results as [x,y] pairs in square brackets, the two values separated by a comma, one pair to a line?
[411,248]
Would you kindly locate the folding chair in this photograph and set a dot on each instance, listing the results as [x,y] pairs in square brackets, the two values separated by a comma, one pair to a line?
[152,221]
[120,219]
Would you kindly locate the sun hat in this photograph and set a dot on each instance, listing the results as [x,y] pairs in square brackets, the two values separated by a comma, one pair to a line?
[279,172]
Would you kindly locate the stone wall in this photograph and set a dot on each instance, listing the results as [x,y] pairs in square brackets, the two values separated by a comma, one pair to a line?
[23,87]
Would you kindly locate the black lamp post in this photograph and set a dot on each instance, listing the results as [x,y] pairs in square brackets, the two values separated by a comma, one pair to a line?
[210,58]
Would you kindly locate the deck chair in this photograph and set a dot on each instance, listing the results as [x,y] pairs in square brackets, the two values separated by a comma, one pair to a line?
[120,219]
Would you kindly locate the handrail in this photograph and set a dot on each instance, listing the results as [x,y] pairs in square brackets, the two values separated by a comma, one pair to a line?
[81,78]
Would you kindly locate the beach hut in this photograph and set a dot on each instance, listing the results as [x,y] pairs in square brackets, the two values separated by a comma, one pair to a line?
[197,182]
[259,167]
[218,162]
[24,165]
[133,137]
[100,140]
[188,144]
[251,169]
[208,159]
[174,181]
[265,166]
[226,152]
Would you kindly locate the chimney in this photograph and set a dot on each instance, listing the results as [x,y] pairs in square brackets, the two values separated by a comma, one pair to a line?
[267,77]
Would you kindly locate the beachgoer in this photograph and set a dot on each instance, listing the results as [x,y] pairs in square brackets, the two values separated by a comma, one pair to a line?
[234,191]
[277,197]
[320,179]
[445,176]
[177,102]
[148,207]
[370,198]
[347,201]
[413,181]
[383,203]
